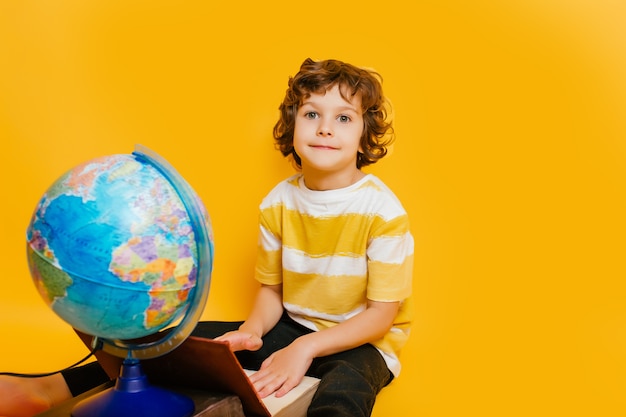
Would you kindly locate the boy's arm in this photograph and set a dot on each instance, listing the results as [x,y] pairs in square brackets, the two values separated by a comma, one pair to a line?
[368,326]
[266,311]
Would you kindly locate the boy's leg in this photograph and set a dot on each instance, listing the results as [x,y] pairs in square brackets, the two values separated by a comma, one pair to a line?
[350,380]
[84,378]
[349,383]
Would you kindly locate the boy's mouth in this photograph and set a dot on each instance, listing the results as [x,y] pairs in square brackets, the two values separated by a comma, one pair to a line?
[323,147]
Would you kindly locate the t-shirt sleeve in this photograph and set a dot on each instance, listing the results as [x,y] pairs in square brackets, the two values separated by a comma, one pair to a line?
[269,250]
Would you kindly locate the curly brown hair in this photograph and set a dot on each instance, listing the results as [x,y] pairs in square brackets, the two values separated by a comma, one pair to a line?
[320,76]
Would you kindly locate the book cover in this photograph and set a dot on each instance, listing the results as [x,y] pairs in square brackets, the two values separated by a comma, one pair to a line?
[211,365]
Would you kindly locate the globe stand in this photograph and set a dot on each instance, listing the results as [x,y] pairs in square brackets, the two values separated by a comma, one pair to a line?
[133,396]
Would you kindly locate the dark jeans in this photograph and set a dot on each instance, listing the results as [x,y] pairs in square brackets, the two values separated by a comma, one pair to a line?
[350,380]
[349,383]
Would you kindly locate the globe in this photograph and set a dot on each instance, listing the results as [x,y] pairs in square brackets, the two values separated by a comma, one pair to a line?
[121,247]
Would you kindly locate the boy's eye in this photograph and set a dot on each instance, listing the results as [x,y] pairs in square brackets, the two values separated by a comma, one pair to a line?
[344,118]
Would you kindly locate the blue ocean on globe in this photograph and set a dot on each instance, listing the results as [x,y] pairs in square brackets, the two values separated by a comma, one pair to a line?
[112,250]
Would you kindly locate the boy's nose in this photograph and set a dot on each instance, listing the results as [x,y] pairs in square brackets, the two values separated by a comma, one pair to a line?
[324,130]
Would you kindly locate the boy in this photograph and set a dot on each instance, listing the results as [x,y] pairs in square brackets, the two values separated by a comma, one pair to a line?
[335,251]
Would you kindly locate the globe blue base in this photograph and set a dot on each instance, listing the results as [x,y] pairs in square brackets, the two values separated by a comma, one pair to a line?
[133,396]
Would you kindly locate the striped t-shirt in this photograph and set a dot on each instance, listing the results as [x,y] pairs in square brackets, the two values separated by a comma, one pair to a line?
[333,250]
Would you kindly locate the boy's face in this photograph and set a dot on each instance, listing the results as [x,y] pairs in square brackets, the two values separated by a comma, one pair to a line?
[327,135]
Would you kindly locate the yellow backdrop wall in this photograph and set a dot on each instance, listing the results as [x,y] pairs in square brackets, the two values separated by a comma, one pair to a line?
[511,128]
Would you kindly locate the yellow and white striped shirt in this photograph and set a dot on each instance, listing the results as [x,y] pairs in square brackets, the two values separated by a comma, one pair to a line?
[333,250]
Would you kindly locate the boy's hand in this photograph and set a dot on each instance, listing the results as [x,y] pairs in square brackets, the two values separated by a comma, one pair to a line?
[238,340]
[282,371]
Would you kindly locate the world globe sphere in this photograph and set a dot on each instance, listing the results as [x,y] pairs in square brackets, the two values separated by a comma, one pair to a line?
[113,248]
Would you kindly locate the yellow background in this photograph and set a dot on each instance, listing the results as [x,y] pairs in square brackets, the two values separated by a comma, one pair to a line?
[511,143]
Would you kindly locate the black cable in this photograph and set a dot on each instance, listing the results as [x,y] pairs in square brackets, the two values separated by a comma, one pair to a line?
[93,351]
